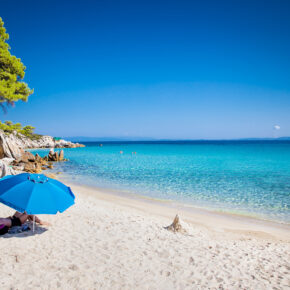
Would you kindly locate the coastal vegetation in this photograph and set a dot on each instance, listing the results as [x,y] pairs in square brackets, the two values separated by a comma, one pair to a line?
[12,72]
[8,127]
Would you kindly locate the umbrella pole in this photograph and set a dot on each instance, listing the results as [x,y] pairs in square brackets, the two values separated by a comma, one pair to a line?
[33,225]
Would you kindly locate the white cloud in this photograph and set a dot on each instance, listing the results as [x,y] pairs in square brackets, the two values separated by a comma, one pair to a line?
[277,127]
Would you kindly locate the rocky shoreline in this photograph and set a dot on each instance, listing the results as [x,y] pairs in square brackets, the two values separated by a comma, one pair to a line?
[14,159]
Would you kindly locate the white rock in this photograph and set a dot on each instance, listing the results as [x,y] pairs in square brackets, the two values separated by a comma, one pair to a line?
[9,146]
[7,160]
[6,169]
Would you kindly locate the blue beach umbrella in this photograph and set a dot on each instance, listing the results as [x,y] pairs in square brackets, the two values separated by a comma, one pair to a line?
[35,194]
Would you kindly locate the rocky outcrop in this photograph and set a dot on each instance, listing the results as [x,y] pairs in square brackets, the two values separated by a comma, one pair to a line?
[52,156]
[55,156]
[11,145]
[35,163]
[67,144]
[13,158]
[21,141]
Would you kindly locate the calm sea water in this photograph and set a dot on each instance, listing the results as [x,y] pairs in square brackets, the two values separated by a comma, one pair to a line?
[251,178]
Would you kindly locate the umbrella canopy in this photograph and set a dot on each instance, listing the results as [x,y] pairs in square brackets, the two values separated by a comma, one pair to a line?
[35,194]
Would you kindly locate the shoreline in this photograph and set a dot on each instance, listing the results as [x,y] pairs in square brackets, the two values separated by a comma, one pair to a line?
[187,206]
[218,222]
[236,201]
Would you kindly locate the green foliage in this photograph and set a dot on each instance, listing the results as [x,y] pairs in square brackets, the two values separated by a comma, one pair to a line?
[12,71]
[27,130]
[8,127]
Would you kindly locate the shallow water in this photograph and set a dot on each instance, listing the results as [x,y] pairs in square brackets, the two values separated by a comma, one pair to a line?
[251,178]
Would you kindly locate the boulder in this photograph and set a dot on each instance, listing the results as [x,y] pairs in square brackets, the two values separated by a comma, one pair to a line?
[41,161]
[9,146]
[24,158]
[55,156]
[29,167]
[61,155]
[27,157]
[14,146]
[33,167]
[50,155]
[38,158]
[38,167]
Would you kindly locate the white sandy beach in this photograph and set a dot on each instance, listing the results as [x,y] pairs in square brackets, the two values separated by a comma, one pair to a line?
[111,242]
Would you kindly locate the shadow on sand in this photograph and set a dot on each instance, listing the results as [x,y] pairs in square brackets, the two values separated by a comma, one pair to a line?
[23,234]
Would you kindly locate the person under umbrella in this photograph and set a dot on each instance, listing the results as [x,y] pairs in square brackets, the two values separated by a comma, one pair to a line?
[33,194]
[18,219]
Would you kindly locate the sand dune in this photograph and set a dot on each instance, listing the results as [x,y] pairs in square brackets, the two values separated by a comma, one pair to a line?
[110,242]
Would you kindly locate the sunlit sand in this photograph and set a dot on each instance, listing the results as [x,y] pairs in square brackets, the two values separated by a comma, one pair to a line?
[112,242]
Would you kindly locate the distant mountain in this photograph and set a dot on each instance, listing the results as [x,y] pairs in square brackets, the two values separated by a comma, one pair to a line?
[124,139]
[99,139]
[265,139]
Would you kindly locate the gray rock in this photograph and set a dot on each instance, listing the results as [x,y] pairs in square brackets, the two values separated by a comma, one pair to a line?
[9,146]
[5,169]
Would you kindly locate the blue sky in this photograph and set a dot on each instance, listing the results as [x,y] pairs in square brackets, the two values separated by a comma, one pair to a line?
[161,69]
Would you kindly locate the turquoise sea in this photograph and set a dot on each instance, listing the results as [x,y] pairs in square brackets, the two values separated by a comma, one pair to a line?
[246,177]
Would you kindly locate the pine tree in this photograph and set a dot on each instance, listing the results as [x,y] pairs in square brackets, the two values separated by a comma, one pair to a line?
[12,72]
